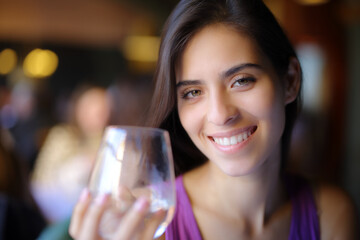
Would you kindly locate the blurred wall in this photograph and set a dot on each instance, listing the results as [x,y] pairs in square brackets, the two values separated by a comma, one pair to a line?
[328,147]
[73,22]
[351,171]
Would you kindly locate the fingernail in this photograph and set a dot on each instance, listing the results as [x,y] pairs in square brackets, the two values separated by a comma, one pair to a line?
[141,204]
[100,200]
[84,195]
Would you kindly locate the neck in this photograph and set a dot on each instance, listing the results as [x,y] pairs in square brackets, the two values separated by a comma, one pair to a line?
[252,197]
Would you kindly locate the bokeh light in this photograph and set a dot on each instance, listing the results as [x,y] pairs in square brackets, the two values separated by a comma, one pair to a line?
[312,2]
[40,63]
[141,48]
[8,60]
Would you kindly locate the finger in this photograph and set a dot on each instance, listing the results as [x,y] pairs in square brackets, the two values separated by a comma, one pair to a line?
[79,212]
[125,194]
[125,199]
[90,226]
[153,223]
[133,220]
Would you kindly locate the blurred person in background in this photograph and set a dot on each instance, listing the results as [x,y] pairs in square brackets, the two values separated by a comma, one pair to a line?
[20,217]
[65,160]
[20,116]
[123,103]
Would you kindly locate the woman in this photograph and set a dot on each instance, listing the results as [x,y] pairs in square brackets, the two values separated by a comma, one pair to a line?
[65,160]
[227,89]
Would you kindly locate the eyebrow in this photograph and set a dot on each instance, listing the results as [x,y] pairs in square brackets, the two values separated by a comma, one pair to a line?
[225,74]
[188,83]
[238,68]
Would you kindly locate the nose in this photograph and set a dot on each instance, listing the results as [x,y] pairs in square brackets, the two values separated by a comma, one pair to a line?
[221,109]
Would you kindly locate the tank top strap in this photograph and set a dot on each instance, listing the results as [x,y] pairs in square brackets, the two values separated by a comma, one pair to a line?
[304,219]
[184,225]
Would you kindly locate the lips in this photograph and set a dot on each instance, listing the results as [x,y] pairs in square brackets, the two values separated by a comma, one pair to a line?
[234,139]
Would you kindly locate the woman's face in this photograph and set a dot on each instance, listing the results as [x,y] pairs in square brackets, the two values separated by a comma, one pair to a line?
[230,100]
[92,111]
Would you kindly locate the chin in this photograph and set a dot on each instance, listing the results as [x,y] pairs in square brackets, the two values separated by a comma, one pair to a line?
[237,169]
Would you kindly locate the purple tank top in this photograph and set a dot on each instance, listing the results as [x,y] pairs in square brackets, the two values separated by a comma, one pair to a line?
[304,219]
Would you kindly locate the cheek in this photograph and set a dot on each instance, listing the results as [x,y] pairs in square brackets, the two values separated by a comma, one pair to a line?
[190,116]
[185,117]
[267,106]
[275,115]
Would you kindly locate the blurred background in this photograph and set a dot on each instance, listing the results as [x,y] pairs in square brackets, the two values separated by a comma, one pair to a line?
[57,56]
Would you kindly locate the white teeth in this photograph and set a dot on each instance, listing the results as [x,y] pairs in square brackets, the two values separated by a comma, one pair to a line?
[233,139]
[245,136]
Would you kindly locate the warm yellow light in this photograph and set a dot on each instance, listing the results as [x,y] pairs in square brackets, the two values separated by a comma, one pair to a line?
[141,48]
[312,2]
[40,63]
[8,60]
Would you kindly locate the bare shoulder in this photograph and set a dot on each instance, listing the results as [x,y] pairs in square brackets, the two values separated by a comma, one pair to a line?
[337,213]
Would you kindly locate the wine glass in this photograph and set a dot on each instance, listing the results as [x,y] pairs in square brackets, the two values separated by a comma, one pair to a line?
[134,162]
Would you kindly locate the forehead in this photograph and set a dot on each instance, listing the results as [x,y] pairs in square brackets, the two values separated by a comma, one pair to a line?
[217,47]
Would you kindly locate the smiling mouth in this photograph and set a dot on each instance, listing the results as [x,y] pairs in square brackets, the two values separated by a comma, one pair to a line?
[233,140]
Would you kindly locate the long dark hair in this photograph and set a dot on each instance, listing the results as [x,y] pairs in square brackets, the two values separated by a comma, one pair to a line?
[250,17]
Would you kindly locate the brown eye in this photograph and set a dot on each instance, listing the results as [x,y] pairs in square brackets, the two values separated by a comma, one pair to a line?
[192,93]
[195,93]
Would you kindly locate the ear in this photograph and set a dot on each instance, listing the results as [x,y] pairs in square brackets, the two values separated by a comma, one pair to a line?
[292,80]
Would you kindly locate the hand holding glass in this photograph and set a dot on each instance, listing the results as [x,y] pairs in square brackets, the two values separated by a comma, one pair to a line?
[134,162]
